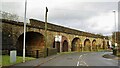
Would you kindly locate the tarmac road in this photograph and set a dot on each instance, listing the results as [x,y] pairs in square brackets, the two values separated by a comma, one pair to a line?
[82,59]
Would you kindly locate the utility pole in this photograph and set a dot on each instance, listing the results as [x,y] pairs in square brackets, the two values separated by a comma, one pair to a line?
[24,31]
[45,32]
[115,49]
[115,23]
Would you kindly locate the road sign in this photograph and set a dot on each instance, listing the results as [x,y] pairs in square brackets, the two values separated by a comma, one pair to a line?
[115,44]
[110,43]
[58,38]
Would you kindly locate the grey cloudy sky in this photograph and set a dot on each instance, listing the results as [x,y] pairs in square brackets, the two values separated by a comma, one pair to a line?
[93,16]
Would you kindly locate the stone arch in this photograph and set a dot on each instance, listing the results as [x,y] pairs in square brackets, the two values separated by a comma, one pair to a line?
[7,40]
[94,45]
[34,43]
[104,44]
[56,45]
[87,45]
[64,43]
[108,46]
[76,44]
[65,46]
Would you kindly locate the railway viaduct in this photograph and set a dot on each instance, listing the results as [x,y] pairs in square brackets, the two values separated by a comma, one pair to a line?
[72,40]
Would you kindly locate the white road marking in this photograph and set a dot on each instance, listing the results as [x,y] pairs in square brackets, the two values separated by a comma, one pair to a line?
[109,59]
[78,60]
[82,63]
[85,63]
[79,57]
[78,63]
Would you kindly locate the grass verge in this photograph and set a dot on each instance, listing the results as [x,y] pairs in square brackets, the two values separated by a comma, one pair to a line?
[6,60]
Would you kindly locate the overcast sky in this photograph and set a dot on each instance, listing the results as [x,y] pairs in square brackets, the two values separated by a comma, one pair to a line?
[93,16]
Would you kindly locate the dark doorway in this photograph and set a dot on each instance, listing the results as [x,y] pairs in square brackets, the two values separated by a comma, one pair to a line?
[103,44]
[65,46]
[56,45]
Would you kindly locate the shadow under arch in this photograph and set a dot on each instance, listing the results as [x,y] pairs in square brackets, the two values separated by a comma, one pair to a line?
[76,44]
[56,45]
[63,44]
[94,45]
[34,43]
[87,45]
[104,44]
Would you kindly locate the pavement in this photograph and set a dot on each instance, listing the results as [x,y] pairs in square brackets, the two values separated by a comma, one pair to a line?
[72,59]
[111,56]
[33,63]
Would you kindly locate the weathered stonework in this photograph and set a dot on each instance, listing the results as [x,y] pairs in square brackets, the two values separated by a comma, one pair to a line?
[12,31]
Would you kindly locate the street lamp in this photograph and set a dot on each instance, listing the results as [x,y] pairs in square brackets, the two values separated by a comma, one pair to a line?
[24,31]
[115,49]
[115,26]
[115,23]
[45,31]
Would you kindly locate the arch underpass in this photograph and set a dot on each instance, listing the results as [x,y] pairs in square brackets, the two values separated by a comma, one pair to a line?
[94,45]
[76,44]
[34,43]
[64,44]
[104,43]
[87,45]
[56,45]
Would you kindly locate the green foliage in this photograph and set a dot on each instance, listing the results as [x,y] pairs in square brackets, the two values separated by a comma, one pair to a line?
[6,60]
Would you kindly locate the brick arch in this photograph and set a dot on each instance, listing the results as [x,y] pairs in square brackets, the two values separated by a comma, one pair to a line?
[56,45]
[104,44]
[94,45]
[108,46]
[76,44]
[7,40]
[94,42]
[87,45]
[64,43]
[29,30]
[65,46]
[34,42]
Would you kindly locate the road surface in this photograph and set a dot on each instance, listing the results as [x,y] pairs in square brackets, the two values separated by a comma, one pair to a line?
[82,59]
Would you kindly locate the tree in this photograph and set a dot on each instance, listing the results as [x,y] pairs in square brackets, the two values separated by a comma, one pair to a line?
[9,16]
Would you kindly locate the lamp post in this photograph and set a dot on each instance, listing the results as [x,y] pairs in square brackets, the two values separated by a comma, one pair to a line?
[45,32]
[115,23]
[24,31]
[115,42]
